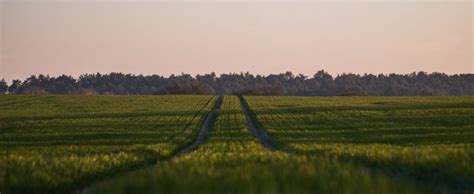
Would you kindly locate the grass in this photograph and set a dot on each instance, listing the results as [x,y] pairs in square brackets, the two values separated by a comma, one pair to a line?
[429,140]
[55,144]
[233,161]
[61,144]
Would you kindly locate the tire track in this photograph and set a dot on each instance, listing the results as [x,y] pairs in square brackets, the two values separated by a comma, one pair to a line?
[199,140]
[257,131]
[189,123]
[203,130]
[435,181]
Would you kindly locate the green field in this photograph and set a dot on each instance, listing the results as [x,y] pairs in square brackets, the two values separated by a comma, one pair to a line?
[60,143]
[126,144]
[429,140]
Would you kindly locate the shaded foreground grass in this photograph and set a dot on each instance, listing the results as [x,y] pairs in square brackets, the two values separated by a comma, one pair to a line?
[233,161]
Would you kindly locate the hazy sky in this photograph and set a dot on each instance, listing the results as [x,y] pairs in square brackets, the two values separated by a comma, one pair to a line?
[163,37]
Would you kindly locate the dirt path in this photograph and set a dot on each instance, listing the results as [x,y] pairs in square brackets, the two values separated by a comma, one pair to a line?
[203,130]
[257,131]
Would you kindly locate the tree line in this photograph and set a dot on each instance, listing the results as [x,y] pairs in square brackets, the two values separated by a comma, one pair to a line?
[320,84]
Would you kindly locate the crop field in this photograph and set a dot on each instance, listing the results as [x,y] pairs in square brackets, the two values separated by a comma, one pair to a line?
[128,144]
[59,143]
[428,140]
[233,161]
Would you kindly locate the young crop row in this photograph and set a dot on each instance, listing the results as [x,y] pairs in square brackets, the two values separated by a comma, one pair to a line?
[429,140]
[54,144]
[233,161]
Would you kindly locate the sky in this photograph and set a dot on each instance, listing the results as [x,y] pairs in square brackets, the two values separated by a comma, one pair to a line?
[74,37]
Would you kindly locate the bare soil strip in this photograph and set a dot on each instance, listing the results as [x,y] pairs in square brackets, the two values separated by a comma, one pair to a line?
[204,128]
[257,131]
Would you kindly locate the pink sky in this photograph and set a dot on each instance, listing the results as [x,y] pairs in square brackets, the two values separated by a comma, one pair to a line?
[164,37]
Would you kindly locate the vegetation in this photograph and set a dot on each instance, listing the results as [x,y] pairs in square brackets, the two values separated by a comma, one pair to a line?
[320,84]
[427,139]
[233,161]
[105,144]
[55,144]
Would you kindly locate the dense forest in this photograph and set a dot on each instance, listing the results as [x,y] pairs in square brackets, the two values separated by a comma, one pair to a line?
[320,84]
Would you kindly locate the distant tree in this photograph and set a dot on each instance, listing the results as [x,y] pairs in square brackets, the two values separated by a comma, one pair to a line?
[14,87]
[62,85]
[35,85]
[3,86]
[327,83]
[321,84]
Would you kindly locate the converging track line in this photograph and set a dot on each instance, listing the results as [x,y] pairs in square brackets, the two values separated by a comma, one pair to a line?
[199,140]
[259,133]
[203,130]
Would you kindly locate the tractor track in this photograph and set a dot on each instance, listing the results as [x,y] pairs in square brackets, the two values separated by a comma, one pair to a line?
[254,126]
[199,140]
[203,130]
